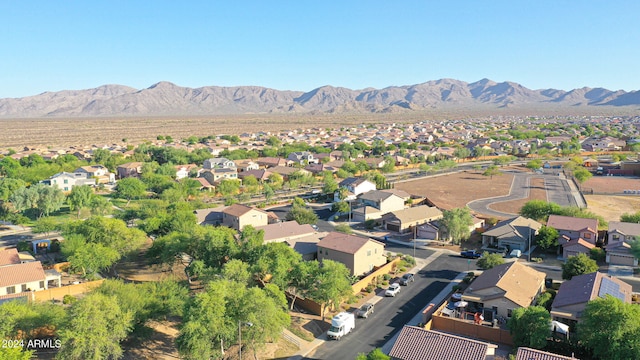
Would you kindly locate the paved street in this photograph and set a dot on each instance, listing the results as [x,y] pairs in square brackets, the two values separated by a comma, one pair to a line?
[391,313]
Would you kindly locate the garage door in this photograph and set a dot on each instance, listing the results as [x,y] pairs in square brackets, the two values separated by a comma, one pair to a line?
[621,260]
[393,227]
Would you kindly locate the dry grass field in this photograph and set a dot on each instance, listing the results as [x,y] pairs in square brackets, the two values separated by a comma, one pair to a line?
[456,190]
[611,184]
[610,207]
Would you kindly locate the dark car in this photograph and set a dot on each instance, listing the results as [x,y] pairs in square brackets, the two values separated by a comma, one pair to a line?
[365,310]
[406,279]
[470,254]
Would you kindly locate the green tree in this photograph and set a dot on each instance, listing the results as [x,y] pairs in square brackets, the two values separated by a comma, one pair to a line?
[631,218]
[44,225]
[79,197]
[503,160]
[275,263]
[375,354]
[610,329]
[342,207]
[9,167]
[578,265]
[130,188]
[534,164]
[228,187]
[530,326]
[8,186]
[488,261]
[331,284]
[50,199]
[462,153]
[99,205]
[457,222]
[93,258]
[539,209]
[330,184]
[547,237]
[635,247]
[581,174]
[491,171]
[301,213]
[344,228]
[97,325]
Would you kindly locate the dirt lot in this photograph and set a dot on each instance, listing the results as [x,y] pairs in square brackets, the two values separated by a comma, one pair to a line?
[456,190]
[611,207]
[611,184]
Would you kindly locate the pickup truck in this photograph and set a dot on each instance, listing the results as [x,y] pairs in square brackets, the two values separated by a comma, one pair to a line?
[470,254]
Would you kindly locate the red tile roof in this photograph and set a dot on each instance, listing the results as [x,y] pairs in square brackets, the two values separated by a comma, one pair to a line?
[415,343]
[21,273]
[9,256]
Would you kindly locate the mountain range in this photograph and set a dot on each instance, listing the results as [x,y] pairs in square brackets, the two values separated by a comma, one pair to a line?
[165,98]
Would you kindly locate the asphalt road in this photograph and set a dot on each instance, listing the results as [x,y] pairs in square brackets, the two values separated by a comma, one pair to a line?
[391,313]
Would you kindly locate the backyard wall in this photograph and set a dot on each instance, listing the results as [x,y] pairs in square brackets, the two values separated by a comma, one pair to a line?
[58,293]
[384,269]
[469,329]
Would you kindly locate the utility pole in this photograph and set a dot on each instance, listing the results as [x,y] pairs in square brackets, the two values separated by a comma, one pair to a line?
[529,251]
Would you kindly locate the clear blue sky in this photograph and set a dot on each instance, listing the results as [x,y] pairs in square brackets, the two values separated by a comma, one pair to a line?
[300,45]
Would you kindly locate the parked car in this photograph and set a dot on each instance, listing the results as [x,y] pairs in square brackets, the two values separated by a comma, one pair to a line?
[470,254]
[406,279]
[365,310]
[393,290]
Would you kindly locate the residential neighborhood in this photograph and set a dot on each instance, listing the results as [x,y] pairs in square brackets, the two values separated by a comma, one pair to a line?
[315,216]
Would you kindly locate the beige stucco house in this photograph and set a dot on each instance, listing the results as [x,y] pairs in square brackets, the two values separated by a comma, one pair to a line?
[500,290]
[238,216]
[359,254]
[406,219]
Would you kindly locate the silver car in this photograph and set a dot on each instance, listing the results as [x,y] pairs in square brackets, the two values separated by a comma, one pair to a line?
[365,310]
[393,290]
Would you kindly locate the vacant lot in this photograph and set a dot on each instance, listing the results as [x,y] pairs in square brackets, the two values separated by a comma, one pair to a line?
[611,207]
[611,184]
[456,190]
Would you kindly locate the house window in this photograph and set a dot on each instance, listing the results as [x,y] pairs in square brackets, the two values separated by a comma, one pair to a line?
[616,237]
[368,252]
[326,252]
[509,312]
[587,235]
[24,287]
[11,289]
[41,284]
[66,181]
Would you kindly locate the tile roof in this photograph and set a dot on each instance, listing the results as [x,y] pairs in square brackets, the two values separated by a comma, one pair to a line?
[285,230]
[376,195]
[517,227]
[516,282]
[525,353]
[21,273]
[345,243]
[210,215]
[9,256]
[415,213]
[624,227]
[239,210]
[570,223]
[414,343]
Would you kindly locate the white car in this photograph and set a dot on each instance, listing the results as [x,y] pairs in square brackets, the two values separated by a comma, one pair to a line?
[393,290]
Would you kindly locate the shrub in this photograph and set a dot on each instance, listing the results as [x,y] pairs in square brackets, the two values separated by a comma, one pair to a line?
[410,260]
[24,246]
[386,277]
[68,299]
[369,288]
[402,269]
[385,283]
[597,254]
[369,224]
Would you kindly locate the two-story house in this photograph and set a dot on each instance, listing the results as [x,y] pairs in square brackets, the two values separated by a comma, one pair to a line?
[98,172]
[577,235]
[219,163]
[66,181]
[214,176]
[238,216]
[302,238]
[373,204]
[501,289]
[354,187]
[132,169]
[619,238]
[183,171]
[359,254]
[302,158]
[246,165]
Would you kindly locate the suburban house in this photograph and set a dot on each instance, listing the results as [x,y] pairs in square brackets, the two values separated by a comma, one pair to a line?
[66,181]
[214,176]
[210,216]
[575,247]
[574,228]
[302,238]
[355,186]
[359,254]
[375,163]
[269,162]
[428,231]
[17,276]
[261,175]
[183,171]
[302,158]
[574,294]
[415,343]
[406,219]
[286,171]
[132,169]
[373,204]
[246,165]
[515,233]
[503,288]
[99,173]
[238,216]
[619,238]
[525,353]
[219,163]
